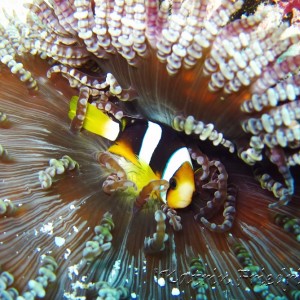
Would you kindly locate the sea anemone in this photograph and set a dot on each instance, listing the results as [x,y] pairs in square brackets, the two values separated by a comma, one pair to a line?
[222,77]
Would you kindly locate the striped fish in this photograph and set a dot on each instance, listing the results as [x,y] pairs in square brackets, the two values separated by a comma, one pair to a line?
[147,151]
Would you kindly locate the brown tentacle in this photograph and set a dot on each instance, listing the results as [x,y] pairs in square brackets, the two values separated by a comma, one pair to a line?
[174,219]
[279,190]
[113,183]
[218,182]
[110,108]
[108,162]
[82,103]
[277,157]
[128,94]
[93,82]
[146,192]
[283,192]
[202,160]
[118,179]
[157,242]
[205,131]
[228,213]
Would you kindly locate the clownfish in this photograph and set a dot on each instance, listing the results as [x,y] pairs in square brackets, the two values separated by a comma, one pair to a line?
[148,151]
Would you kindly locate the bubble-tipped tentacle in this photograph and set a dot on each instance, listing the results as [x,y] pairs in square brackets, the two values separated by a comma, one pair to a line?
[77,122]
[289,224]
[293,159]
[228,213]
[205,131]
[118,179]
[148,191]
[202,160]
[56,167]
[216,182]
[8,55]
[102,240]
[110,108]
[82,79]
[278,189]
[198,272]
[174,219]
[7,207]
[157,242]
[106,291]
[36,287]
[213,176]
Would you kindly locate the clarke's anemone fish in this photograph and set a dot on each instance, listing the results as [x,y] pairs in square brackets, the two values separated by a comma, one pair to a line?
[148,151]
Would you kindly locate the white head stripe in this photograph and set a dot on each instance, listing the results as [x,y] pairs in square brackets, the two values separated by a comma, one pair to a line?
[150,142]
[179,157]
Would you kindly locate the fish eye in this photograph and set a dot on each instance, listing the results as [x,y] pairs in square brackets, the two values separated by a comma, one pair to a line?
[173,183]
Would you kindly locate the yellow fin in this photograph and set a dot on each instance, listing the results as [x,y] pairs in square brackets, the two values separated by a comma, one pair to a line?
[137,171]
[141,174]
[96,121]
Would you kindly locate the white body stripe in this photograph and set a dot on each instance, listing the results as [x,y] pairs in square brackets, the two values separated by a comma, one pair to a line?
[173,164]
[150,142]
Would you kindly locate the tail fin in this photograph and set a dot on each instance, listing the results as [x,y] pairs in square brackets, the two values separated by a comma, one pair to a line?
[96,121]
